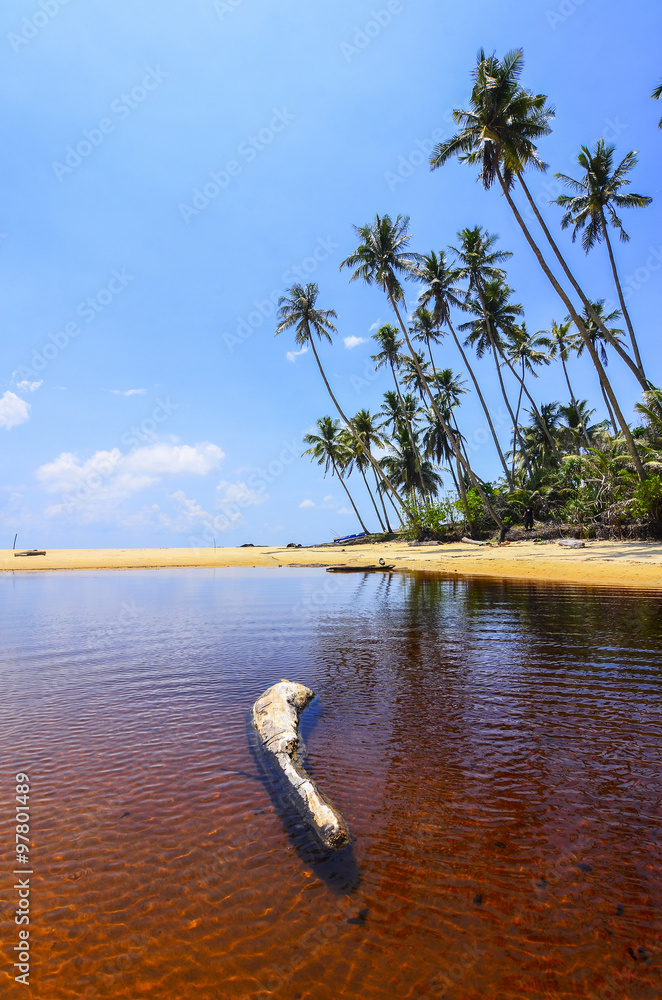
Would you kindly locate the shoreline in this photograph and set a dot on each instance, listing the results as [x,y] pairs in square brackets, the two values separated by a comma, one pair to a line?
[633,565]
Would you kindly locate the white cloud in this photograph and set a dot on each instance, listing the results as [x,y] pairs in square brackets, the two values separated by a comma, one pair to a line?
[13,410]
[293,355]
[375,326]
[344,510]
[351,342]
[27,386]
[307,503]
[128,392]
[239,494]
[97,486]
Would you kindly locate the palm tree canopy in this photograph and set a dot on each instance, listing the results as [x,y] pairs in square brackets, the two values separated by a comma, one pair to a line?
[502,123]
[477,259]
[561,340]
[387,336]
[598,194]
[297,309]
[382,256]
[529,350]
[498,316]
[594,332]
[329,446]
[439,291]
[394,414]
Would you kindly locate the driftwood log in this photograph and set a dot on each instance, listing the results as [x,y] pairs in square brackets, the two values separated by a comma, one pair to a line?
[474,541]
[571,543]
[276,720]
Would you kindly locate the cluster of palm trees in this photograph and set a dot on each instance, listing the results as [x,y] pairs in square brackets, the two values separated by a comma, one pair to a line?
[464,296]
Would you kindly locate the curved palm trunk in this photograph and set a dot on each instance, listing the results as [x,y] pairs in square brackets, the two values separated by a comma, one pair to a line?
[626,315]
[349,423]
[519,406]
[480,396]
[409,429]
[381,500]
[602,375]
[495,354]
[609,413]
[349,495]
[451,437]
[623,354]
[379,516]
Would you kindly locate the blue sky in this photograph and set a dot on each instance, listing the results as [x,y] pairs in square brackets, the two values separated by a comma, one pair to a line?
[171,168]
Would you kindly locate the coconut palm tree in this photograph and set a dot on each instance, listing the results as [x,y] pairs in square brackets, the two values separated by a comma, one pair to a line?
[387,338]
[401,466]
[298,309]
[371,437]
[562,342]
[578,428]
[382,258]
[594,202]
[328,448]
[499,132]
[494,314]
[440,292]
[531,352]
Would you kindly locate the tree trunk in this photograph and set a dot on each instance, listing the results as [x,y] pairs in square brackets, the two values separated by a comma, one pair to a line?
[574,401]
[381,500]
[344,486]
[349,423]
[626,315]
[461,459]
[543,426]
[623,354]
[409,429]
[480,396]
[379,516]
[602,375]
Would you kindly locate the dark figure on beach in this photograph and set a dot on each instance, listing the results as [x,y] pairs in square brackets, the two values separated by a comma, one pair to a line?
[528,518]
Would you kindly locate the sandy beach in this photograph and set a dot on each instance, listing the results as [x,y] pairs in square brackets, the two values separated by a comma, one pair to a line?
[607,564]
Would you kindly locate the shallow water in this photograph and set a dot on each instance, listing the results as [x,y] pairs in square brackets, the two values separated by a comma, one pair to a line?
[494,748]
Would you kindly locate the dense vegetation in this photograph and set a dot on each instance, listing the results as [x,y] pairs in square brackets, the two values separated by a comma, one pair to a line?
[416,464]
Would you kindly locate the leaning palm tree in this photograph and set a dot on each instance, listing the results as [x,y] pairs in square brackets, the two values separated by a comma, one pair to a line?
[594,202]
[387,338]
[382,258]
[328,448]
[371,437]
[562,342]
[499,132]
[298,309]
[531,352]
[440,292]
[494,315]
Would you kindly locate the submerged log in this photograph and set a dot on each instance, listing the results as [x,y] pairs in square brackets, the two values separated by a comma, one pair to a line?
[276,719]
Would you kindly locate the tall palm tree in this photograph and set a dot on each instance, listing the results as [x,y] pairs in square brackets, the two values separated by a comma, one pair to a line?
[440,292]
[579,430]
[298,309]
[494,314]
[371,437]
[387,338]
[381,258]
[596,197]
[531,352]
[499,133]
[562,342]
[330,450]
[447,388]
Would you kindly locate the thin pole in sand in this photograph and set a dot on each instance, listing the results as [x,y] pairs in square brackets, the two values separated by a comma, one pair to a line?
[15,537]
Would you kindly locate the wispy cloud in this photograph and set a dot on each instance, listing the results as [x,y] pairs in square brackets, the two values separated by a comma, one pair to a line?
[13,410]
[351,342]
[128,392]
[293,355]
[27,386]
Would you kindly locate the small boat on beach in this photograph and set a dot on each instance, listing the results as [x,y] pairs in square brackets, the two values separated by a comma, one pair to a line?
[349,538]
[31,552]
[361,569]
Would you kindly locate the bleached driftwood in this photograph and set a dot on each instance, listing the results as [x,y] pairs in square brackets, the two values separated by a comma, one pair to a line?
[571,543]
[474,541]
[276,720]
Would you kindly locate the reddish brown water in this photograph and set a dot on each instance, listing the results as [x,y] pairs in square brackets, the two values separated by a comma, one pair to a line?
[495,749]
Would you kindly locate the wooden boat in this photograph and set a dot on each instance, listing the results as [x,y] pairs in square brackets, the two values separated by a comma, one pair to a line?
[361,569]
[31,552]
